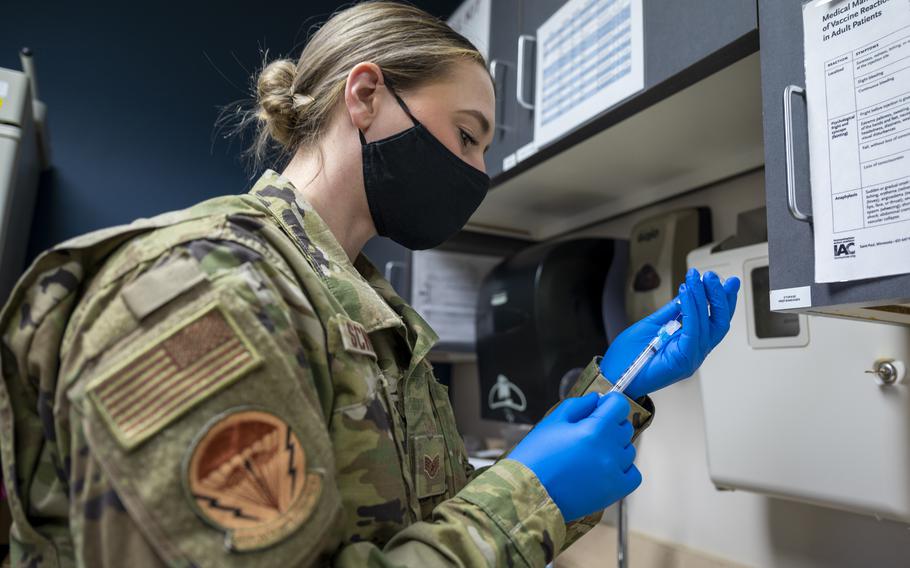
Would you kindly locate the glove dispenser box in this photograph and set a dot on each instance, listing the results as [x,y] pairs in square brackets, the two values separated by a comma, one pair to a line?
[539,316]
[790,410]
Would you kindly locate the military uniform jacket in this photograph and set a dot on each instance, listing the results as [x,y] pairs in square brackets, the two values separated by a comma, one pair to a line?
[221,386]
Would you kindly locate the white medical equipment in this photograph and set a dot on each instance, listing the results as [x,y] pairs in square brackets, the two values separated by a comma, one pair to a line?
[808,408]
[23,154]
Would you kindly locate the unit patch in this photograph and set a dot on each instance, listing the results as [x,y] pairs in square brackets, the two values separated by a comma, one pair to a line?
[355,338]
[161,381]
[246,475]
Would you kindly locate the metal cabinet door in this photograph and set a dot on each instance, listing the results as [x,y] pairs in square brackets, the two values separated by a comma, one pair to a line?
[533,14]
[678,36]
[681,34]
[505,22]
[790,240]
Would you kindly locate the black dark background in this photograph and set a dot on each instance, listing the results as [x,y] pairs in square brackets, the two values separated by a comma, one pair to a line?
[133,92]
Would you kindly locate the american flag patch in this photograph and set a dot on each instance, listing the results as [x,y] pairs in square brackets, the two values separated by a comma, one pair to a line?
[158,384]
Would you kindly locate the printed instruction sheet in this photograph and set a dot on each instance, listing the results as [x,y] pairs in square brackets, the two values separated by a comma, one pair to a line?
[444,289]
[858,96]
[590,56]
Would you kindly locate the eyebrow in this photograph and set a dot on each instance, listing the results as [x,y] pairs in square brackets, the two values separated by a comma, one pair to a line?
[484,123]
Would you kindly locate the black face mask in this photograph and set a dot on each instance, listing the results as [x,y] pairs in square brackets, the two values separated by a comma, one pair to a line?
[419,192]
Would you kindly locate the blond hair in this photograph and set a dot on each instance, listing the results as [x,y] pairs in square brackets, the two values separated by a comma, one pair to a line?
[295,101]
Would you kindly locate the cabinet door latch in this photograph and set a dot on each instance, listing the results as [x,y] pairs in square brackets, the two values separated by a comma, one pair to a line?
[888,372]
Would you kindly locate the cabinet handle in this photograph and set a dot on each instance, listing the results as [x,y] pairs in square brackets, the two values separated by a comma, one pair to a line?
[789,91]
[520,87]
[494,65]
[494,73]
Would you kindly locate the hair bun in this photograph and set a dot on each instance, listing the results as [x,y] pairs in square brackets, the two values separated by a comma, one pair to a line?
[300,101]
[278,105]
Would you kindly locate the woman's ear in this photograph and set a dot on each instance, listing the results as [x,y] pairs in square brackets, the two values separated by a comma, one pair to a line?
[360,94]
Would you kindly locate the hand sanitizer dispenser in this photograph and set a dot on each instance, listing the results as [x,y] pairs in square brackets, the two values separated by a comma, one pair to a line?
[657,263]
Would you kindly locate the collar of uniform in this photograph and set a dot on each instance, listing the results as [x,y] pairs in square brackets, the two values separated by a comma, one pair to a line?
[421,336]
[358,297]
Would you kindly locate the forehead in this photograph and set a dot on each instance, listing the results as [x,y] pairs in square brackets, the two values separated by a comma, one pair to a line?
[466,84]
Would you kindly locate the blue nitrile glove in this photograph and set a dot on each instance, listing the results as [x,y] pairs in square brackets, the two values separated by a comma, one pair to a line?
[687,349]
[582,453]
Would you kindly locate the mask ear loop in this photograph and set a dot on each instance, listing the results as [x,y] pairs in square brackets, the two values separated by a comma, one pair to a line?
[401,103]
[403,106]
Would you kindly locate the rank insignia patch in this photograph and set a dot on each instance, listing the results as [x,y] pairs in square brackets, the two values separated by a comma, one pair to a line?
[431,466]
[163,380]
[247,477]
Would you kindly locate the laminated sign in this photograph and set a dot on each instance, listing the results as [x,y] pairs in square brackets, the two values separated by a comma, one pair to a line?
[858,96]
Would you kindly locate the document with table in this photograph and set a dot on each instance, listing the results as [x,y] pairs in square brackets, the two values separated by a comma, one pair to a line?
[858,95]
[590,56]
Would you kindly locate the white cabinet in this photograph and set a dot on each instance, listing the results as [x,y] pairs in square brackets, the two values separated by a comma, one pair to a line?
[789,408]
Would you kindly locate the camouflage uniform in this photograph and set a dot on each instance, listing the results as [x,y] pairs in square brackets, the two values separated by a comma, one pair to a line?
[138,361]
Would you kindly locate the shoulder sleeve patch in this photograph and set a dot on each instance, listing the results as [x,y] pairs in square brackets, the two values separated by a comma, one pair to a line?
[247,476]
[156,385]
[161,285]
[355,338]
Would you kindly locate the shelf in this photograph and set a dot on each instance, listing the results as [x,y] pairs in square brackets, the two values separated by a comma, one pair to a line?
[707,132]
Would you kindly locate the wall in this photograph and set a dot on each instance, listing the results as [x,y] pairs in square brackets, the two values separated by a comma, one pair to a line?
[677,502]
[132,91]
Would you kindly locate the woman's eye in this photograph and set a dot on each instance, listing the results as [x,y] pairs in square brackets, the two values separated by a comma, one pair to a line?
[467,139]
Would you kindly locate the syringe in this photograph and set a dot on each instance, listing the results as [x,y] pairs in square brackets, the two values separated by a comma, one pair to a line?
[663,335]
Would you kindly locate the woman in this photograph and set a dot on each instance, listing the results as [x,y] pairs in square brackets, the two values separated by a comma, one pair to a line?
[235,384]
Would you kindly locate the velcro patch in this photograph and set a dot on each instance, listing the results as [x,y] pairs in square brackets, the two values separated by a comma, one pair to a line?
[355,338]
[247,476]
[429,464]
[161,285]
[158,384]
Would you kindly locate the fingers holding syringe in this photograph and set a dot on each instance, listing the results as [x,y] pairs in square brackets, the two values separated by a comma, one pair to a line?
[722,298]
[731,289]
[574,409]
[720,307]
[696,288]
[689,336]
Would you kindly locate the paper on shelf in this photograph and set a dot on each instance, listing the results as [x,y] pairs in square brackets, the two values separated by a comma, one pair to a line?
[444,291]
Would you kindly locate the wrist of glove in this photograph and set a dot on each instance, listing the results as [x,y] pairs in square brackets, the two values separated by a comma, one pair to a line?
[582,453]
